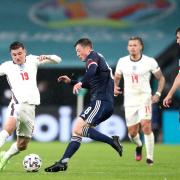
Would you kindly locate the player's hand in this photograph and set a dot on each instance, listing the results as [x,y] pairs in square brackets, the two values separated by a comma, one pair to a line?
[167,101]
[64,79]
[117,90]
[155,98]
[77,87]
[42,57]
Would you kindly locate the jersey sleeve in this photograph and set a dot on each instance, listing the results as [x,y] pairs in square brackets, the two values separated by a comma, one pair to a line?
[51,59]
[154,66]
[91,67]
[118,67]
[91,61]
[179,65]
[91,71]
[3,68]
[33,59]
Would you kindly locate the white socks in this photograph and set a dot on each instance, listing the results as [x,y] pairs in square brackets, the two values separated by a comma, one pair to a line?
[12,151]
[136,139]
[149,143]
[3,137]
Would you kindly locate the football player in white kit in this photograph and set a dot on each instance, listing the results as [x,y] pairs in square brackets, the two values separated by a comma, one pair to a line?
[167,100]
[21,75]
[136,69]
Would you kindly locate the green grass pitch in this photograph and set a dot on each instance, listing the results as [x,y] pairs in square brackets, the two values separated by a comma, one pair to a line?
[97,161]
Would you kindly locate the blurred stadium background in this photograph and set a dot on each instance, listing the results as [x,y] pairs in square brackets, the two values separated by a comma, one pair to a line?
[52,27]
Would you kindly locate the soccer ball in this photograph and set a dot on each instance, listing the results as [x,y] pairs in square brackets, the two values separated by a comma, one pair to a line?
[32,163]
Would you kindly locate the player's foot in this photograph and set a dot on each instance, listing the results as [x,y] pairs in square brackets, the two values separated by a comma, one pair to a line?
[3,161]
[57,166]
[138,154]
[149,162]
[117,145]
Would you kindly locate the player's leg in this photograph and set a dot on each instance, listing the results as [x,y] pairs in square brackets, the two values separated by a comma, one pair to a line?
[149,140]
[9,126]
[81,128]
[5,156]
[146,115]
[97,112]
[25,126]
[19,145]
[71,149]
[133,133]
[15,148]
[132,122]
[8,129]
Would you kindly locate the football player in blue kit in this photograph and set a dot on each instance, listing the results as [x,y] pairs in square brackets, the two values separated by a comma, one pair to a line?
[98,79]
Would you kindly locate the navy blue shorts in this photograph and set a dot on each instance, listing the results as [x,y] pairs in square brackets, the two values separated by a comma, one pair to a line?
[97,112]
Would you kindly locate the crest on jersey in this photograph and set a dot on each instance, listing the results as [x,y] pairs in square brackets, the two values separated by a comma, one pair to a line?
[134,68]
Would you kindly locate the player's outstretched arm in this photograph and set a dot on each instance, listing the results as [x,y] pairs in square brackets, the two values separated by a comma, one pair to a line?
[64,79]
[51,59]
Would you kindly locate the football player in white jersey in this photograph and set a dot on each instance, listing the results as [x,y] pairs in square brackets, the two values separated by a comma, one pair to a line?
[21,76]
[136,69]
[167,100]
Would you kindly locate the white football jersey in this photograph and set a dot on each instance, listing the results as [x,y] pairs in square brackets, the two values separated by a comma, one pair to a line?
[22,78]
[136,76]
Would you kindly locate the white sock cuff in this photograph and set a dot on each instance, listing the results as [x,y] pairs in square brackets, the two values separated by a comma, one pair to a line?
[151,135]
[4,133]
[130,137]
[136,139]
[13,150]
[149,142]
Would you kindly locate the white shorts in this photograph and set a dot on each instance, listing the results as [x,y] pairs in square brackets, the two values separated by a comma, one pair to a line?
[25,118]
[134,114]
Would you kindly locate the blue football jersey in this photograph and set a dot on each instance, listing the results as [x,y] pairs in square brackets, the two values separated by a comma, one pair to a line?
[101,84]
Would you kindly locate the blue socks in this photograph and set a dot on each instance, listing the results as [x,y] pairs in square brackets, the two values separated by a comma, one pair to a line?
[71,148]
[76,142]
[97,136]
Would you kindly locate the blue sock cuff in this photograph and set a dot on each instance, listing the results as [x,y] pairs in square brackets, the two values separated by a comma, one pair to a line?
[76,139]
[85,131]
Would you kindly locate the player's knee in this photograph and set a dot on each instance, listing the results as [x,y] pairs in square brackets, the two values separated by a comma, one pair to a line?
[132,133]
[22,146]
[147,130]
[77,131]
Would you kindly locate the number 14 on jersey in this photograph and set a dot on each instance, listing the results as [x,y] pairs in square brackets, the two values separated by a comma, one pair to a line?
[134,78]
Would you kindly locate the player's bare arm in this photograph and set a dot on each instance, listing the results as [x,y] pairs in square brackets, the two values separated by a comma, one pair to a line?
[49,59]
[67,80]
[161,82]
[117,89]
[77,87]
[64,79]
[168,99]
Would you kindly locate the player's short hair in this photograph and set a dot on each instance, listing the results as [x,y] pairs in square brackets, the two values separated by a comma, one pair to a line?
[84,42]
[177,30]
[16,45]
[138,39]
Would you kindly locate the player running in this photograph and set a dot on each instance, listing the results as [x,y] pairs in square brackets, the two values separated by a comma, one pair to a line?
[98,79]
[136,68]
[176,84]
[21,75]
